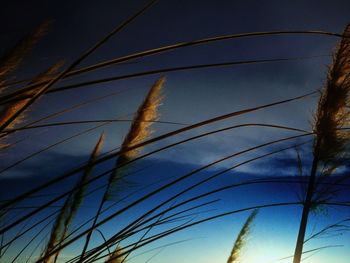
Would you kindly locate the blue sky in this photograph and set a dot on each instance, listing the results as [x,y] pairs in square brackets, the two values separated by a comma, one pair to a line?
[189,97]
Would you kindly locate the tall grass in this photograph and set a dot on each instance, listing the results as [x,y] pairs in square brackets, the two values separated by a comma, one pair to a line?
[12,108]
[329,152]
[70,208]
[330,140]
[140,130]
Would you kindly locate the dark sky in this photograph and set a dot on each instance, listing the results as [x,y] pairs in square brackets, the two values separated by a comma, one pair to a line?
[193,95]
[78,24]
[190,96]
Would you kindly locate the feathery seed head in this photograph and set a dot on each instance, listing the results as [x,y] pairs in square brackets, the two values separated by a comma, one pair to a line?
[114,257]
[11,60]
[333,113]
[241,238]
[147,113]
[139,131]
[70,208]
[13,107]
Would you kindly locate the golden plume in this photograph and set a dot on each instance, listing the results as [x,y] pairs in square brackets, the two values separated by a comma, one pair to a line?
[115,256]
[70,207]
[11,60]
[140,130]
[13,107]
[241,238]
[333,112]
[331,139]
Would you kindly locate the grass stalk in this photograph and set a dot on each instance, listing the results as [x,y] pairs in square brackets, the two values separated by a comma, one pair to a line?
[158,71]
[153,140]
[47,86]
[330,141]
[201,221]
[11,109]
[164,187]
[163,49]
[70,207]
[140,130]
[6,228]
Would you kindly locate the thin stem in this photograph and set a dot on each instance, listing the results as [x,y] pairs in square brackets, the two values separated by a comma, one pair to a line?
[6,228]
[147,142]
[161,70]
[306,210]
[173,47]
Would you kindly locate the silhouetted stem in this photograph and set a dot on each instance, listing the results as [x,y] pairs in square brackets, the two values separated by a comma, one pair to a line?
[306,210]
[147,142]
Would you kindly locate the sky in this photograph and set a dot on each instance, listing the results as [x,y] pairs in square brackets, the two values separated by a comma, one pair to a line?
[189,97]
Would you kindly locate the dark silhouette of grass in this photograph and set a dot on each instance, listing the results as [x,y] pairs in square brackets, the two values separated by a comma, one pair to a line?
[158,138]
[330,137]
[152,72]
[330,141]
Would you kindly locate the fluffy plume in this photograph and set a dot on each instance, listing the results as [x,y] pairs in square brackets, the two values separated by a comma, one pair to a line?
[139,131]
[13,107]
[330,140]
[70,207]
[141,126]
[11,60]
[115,256]
[333,111]
[241,238]
[333,115]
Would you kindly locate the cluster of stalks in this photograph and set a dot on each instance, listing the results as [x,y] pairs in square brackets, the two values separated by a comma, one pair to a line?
[17,99]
